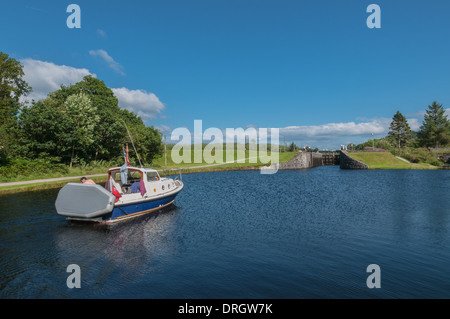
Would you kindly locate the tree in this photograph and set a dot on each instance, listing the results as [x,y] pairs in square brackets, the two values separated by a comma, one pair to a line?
[43,127]
[146,139]
[435,129]
[399,129]
[12,87]
[110,129]
[82,113]
[83,120]
[292,147]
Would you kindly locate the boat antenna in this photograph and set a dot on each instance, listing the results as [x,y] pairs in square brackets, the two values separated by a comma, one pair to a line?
[132,143]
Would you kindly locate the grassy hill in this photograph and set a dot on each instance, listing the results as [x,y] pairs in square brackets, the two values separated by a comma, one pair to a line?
[385,160]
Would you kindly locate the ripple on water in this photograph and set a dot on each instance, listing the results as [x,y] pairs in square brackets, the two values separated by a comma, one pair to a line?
[294,234]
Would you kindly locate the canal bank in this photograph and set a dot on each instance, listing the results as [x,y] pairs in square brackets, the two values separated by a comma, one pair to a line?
[50,183]
[301,160]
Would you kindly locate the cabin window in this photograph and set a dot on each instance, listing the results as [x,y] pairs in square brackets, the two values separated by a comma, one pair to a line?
[134,176]
[152,176]
[116,177]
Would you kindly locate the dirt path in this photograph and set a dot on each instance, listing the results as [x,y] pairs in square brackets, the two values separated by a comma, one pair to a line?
[404,160]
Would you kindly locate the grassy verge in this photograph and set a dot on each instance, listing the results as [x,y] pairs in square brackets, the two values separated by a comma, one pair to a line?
[75,171]
[158,164]
[43,185]
[385,160]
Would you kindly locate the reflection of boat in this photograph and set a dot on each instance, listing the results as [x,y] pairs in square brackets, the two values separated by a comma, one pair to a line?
[129,192]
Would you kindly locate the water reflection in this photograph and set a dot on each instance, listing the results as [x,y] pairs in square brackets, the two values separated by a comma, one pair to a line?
[117,255]
[294,234]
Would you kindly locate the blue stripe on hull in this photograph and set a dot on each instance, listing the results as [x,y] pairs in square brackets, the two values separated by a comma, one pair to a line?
[135,209]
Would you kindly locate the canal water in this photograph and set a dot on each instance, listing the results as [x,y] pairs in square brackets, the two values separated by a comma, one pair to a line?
[294,234]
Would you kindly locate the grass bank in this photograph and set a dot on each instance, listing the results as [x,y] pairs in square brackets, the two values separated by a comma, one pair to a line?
[385,160]
[44,185]
[158,163]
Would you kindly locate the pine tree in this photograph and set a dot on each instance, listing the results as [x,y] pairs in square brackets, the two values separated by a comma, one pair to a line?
[399,129]
[435,129]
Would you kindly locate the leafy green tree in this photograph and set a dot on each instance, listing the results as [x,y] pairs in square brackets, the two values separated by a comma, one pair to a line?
[12,87]
[435,129]
[399,129]
[43,129]
[109,131]
[82,113]
[4,145]
[84,121]
[146,139]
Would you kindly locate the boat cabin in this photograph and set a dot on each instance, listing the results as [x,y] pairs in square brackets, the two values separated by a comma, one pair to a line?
[129,180]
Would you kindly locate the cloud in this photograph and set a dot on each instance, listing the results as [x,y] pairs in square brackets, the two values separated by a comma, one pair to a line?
[415,119]
[112,64]
[45,77]
[414,124]
[331,135]
[101,33]
[164,129]
[146,105]
[336,129]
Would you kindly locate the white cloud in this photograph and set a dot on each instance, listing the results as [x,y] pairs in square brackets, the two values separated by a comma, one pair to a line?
[332,135]
[108,59]
[146,105]
[415,119]
[336,129]
[45,77]
[414,124]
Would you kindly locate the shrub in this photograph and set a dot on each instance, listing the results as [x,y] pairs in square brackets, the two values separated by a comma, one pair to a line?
[25,167]
[419,155]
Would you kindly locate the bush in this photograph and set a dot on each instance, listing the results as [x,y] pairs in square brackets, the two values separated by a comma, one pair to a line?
[419,155]
[383,143]
[25,167]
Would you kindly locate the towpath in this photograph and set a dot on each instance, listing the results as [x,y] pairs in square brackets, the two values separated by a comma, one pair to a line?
[96,175]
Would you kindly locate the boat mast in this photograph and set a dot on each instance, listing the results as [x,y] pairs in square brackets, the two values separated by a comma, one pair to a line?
[132,143]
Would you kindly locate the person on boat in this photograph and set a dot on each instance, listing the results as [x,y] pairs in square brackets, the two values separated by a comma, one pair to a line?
[84,180]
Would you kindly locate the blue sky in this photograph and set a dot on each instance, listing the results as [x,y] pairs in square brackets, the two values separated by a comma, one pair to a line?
[311,68]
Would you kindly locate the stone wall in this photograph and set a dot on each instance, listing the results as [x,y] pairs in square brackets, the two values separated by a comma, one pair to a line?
[348,162]
[303,160]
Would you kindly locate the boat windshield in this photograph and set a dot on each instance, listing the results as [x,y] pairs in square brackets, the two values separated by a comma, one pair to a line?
[133,176]
[152,176]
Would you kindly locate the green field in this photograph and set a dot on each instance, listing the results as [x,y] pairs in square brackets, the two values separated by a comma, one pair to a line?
[159,162]
[385,160]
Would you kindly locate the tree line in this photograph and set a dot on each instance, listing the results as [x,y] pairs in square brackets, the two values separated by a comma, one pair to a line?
[77,123]
[416,146]
[433,133]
